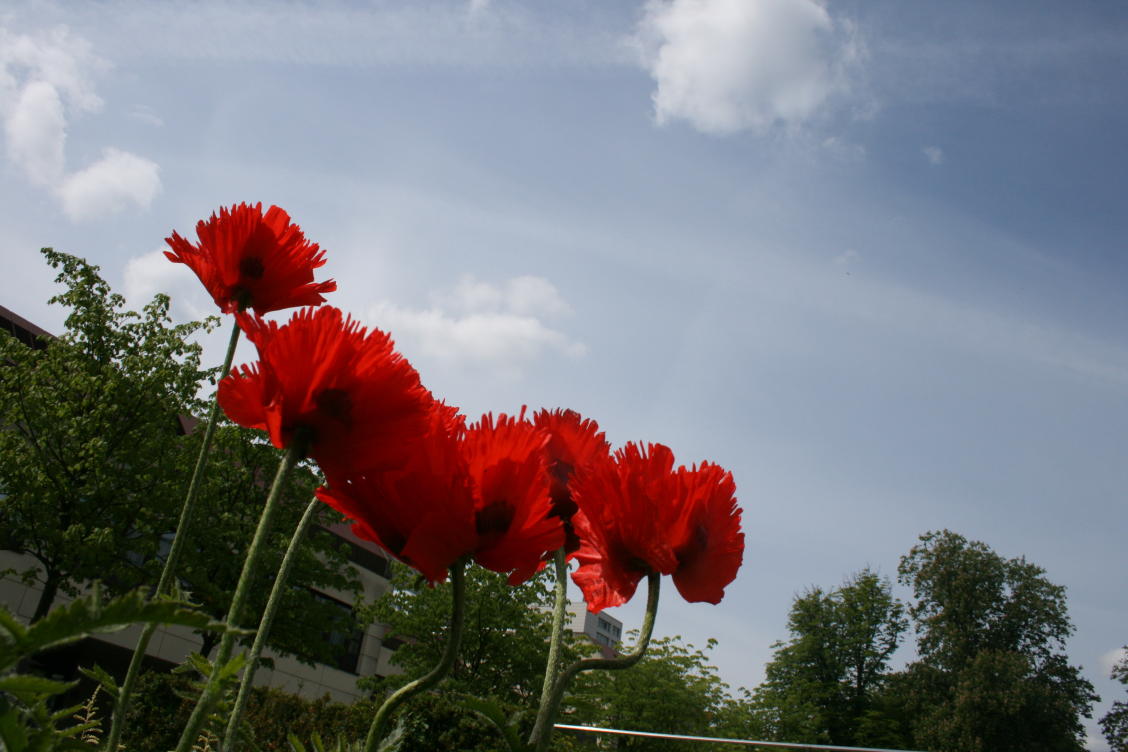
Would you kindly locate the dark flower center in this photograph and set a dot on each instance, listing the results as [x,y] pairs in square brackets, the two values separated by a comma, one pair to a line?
[628,559]
[251,266]
[394,541]
[336,404]
[493,520]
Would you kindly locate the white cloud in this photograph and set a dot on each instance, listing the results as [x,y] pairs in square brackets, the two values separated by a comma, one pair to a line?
[35,129]
[42,78]
[1111,658]
[731,65]
[934,155]
[117,180]
[525,296]
[57,58]
[147,115]
[153,273]
[479,324]
[726,65]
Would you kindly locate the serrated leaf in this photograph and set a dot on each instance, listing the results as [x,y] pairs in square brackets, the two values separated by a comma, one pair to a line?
[232,667]
[105,681]
[13,735]
[25,687]
[88,615]
[392,742]
[11,624]
[195,662]
[65,713]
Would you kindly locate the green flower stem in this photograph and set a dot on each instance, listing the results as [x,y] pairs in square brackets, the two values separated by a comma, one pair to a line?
[552,665]
[384,714]
[211,691]
[265,624]
[169,570]
[546,715]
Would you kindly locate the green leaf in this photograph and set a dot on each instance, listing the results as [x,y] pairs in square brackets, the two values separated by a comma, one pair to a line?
[233,667]
[13,734]
[392,742]
[26,688]
[108,683]
[11,625]
[493,712]
[88,615]
[295,743]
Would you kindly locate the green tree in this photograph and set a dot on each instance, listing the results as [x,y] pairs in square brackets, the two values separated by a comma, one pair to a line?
[673,689]
[1114,724]
[824,684]
[95,464]
[992,675]
[504,640]
[230,503]
[89,445]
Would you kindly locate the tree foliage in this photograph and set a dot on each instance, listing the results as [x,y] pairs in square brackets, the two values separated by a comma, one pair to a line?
[992,674]
[504,638]
[95,464]
[823,685]
[1114,724]
[673,689]
[241,470]
[89,444]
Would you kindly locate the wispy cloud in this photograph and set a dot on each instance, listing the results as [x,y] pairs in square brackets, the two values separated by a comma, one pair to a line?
[731,65]
[1111,658]
[501,33]
[502,327]
[113,183]
[934,155]
[42,78]
[152,273]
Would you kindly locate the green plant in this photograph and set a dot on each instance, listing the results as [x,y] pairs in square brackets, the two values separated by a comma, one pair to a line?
[27,721]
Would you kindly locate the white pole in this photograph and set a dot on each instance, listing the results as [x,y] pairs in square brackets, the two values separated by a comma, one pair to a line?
[718,740]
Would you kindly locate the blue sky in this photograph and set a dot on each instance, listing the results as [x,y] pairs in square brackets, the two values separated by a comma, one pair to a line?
[869,256]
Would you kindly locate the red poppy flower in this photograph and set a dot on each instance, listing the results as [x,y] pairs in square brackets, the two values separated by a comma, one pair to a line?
[638,516]
[627,523]
[247,260]
[574,442]
[352,401]
[713,549]
[422,514]
[512,506]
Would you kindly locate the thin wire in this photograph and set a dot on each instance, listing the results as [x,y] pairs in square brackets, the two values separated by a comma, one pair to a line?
[719,740]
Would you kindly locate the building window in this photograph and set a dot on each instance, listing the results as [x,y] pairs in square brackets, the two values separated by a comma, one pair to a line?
[344,644]
[361,556]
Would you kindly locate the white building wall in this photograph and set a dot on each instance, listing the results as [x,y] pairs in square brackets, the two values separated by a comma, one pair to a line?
[175,643]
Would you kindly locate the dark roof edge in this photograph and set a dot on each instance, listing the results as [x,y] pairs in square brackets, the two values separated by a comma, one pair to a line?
[23,323]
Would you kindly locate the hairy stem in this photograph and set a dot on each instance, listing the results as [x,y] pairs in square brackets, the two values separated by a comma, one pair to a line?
[169,571]
[384,714]
[550,706]
[265,624]
[211,691]
[552,666]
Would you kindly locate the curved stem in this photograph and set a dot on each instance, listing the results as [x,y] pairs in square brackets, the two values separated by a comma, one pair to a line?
[552,666]
[266,521]
[383,715]
[265,624]
[169,570]
[546,715]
